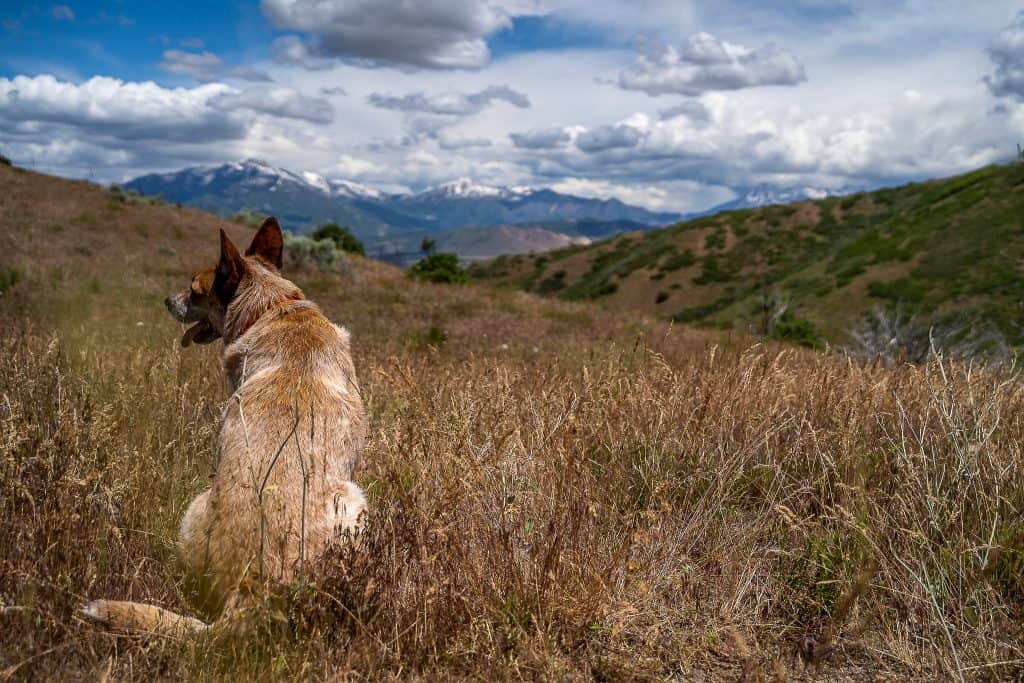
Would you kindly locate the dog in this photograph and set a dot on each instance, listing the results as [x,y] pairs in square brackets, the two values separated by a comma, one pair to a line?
[290,439]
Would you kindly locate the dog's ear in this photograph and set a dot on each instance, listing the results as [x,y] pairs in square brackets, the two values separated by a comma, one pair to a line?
[229,271]
[268,244]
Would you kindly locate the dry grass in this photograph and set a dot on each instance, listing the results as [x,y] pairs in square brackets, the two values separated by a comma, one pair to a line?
[556,494]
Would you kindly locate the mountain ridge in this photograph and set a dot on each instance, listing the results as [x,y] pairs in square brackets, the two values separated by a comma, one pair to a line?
[306,199]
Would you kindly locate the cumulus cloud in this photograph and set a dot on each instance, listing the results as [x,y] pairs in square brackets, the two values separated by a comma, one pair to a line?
[547,138]
[691,109]
[609,137]
[705,64]
[123,111]
[202,66]
[744,144]
[450,104]
[1007,53]
[246,72]
[457,142]
[443,34]
[279,102]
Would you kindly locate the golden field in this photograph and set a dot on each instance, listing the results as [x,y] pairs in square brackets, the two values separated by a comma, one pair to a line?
[558,492]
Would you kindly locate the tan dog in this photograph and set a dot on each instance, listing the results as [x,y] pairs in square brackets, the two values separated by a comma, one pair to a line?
[288,445]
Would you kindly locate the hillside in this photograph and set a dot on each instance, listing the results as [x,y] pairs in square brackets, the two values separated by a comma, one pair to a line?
[558,491]
[947,253]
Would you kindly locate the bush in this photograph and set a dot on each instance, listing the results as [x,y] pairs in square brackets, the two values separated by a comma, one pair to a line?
[253,219]
[677,261]
[443,267]
[129,196]
[800,331]
[5,161]
[342,238]
[305,252]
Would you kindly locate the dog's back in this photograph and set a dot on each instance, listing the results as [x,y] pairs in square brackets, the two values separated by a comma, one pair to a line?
[289,443]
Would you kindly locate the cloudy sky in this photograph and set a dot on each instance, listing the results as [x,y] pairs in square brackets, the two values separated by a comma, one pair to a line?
[670,104]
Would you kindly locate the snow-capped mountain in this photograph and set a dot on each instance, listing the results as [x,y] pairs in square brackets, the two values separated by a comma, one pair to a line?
[306,199]
[767,195]
[465,188]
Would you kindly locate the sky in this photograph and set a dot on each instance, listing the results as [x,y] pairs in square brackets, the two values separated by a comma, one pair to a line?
[669,104]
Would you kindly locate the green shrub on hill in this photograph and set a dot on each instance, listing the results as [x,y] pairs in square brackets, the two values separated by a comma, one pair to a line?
[441,267]
[342,238]
[249,217]
[302,252]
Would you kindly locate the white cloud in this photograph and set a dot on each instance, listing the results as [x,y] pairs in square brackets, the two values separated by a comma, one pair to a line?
[202,66]
[609,137]
[1007,52]
[705,64]
[280,102]
[442,34]
[547,138]
[450,104]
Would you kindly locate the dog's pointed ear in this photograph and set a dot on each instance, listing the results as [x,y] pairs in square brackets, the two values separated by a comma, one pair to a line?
[229,270]
[268,244]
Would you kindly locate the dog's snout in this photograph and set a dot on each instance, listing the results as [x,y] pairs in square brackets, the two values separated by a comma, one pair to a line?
[169,303]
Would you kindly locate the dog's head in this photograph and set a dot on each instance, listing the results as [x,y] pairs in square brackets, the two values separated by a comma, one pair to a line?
[205,301]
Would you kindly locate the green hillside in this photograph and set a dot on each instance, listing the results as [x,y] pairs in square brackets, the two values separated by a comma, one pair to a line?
[944,255]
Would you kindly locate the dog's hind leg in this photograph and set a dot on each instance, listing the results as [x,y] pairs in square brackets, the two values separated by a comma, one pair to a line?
[192,532]
[345,507]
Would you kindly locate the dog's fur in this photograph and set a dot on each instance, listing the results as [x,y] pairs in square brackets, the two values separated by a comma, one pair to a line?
[289,442]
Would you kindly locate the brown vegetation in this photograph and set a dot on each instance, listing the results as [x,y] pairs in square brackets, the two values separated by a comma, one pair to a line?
[556,493]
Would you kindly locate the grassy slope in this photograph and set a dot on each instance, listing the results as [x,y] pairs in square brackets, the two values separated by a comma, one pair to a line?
[937,249]
[558,492]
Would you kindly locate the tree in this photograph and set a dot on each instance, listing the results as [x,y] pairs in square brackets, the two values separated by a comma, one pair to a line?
[440,267]
[342,238]
[427,245]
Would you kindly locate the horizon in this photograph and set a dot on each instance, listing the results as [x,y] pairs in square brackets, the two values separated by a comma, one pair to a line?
[673,108]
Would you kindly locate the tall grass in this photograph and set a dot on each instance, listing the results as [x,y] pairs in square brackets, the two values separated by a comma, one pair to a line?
[607,514]
[556,492]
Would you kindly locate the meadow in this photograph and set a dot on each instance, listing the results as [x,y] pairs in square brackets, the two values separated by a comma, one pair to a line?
[558,491]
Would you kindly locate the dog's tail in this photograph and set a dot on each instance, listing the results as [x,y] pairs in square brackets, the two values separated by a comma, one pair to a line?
[139,617]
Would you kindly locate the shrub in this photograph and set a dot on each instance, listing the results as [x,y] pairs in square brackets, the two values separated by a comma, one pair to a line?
[551,284]
[4,161]
[799,331]
[253,219]
[662,297]
[342,238]
[677,261]
[129,196]
[305,252]
[440,266]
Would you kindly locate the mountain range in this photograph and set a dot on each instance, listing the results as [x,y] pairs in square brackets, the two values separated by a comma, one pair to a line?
[392,225]
[458,215]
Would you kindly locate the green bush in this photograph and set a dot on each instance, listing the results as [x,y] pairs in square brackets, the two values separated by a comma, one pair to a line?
[900,290]
[342,238]
[253,219]
[442,267]
[552,284]
[129,196]
[305,252]
[800,331]
[677,261]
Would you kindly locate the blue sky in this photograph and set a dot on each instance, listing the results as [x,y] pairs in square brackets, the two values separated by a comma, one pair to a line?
[671,104]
